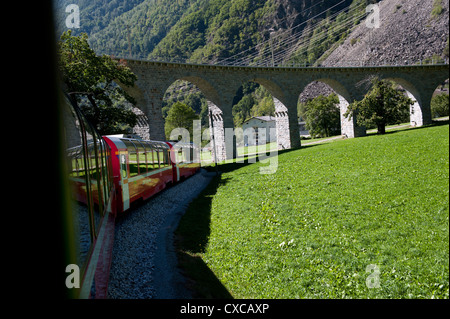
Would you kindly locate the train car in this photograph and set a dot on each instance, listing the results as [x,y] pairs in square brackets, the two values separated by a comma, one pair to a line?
[106,176]
[186,157]
[90,217]
[143,168]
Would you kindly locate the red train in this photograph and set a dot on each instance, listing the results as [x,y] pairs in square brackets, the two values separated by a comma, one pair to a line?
[139,169]
[106,176]
[144,168]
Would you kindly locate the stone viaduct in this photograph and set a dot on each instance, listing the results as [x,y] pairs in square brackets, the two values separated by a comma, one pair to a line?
[220,84]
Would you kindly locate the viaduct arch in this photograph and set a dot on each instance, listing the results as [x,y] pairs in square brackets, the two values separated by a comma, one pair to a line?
[220,83]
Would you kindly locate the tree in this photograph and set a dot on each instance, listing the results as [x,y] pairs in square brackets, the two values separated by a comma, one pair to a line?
[241,111]
[180,116]
[91,81]
[381,106]
[439,105]
[264,107]
[323,116]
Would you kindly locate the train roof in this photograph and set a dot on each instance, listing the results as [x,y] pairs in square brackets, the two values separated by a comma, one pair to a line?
[138,142]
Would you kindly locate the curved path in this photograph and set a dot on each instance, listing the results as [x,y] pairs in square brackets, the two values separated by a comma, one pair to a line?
[144,264]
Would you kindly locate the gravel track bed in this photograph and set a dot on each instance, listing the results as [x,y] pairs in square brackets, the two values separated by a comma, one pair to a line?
[144,264]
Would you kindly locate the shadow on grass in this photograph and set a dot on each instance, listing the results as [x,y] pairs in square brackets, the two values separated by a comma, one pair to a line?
[191,239]
[201,281]
[249,160]
[194,229]
[395,131]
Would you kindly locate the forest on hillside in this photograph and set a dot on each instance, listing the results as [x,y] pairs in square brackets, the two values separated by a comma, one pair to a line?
[208,31]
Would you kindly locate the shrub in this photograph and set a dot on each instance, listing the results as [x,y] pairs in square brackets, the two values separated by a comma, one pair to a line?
[439,105]
[323,116]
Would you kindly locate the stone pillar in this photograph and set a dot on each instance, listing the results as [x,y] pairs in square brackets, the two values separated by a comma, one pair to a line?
[347,124]
[420,111]
[287,128]
[416,118]
[294,128]
[349,127]
[151,107]
[425,108]
[148,92]
[142,127]
[282,125]
[216,122]
[230,136]
[156,121]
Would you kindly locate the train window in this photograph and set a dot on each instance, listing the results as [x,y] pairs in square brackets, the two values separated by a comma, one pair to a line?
[123,166]
[99,175]
[80,218]
[167,157]
[75,161]
[79,164]
[179,156]
[93,173]
[142,157]
[96,184]
[149,156]
[162,159]
[103,170]
[90,177]
[133,161]
[155,156]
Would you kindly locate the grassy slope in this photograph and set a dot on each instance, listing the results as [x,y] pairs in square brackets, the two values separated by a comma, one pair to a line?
[311,229]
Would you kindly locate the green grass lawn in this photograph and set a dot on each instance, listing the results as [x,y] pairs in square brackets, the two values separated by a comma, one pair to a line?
[330,211]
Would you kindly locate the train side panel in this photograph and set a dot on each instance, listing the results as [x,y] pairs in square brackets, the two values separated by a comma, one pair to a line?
[119,160]
[146,185]
[90,217]
[185,158]
[187,170]
[142,169]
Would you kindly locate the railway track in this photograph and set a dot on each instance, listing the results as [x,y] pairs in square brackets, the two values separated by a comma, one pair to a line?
[144,264]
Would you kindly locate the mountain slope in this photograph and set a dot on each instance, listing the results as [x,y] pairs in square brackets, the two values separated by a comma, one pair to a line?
[269,32]
[146,25]
[244,31]
[409,32]
[95,15]
[110,24]
[262,32]
[220,28]
[196,30]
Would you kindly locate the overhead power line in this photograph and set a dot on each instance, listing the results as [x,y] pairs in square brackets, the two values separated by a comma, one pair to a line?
[279,35]
[299,47]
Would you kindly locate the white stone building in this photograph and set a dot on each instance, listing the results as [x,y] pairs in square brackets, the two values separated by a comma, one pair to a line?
[259,129]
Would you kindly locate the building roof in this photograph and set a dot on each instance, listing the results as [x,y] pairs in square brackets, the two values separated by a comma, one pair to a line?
[262,118]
